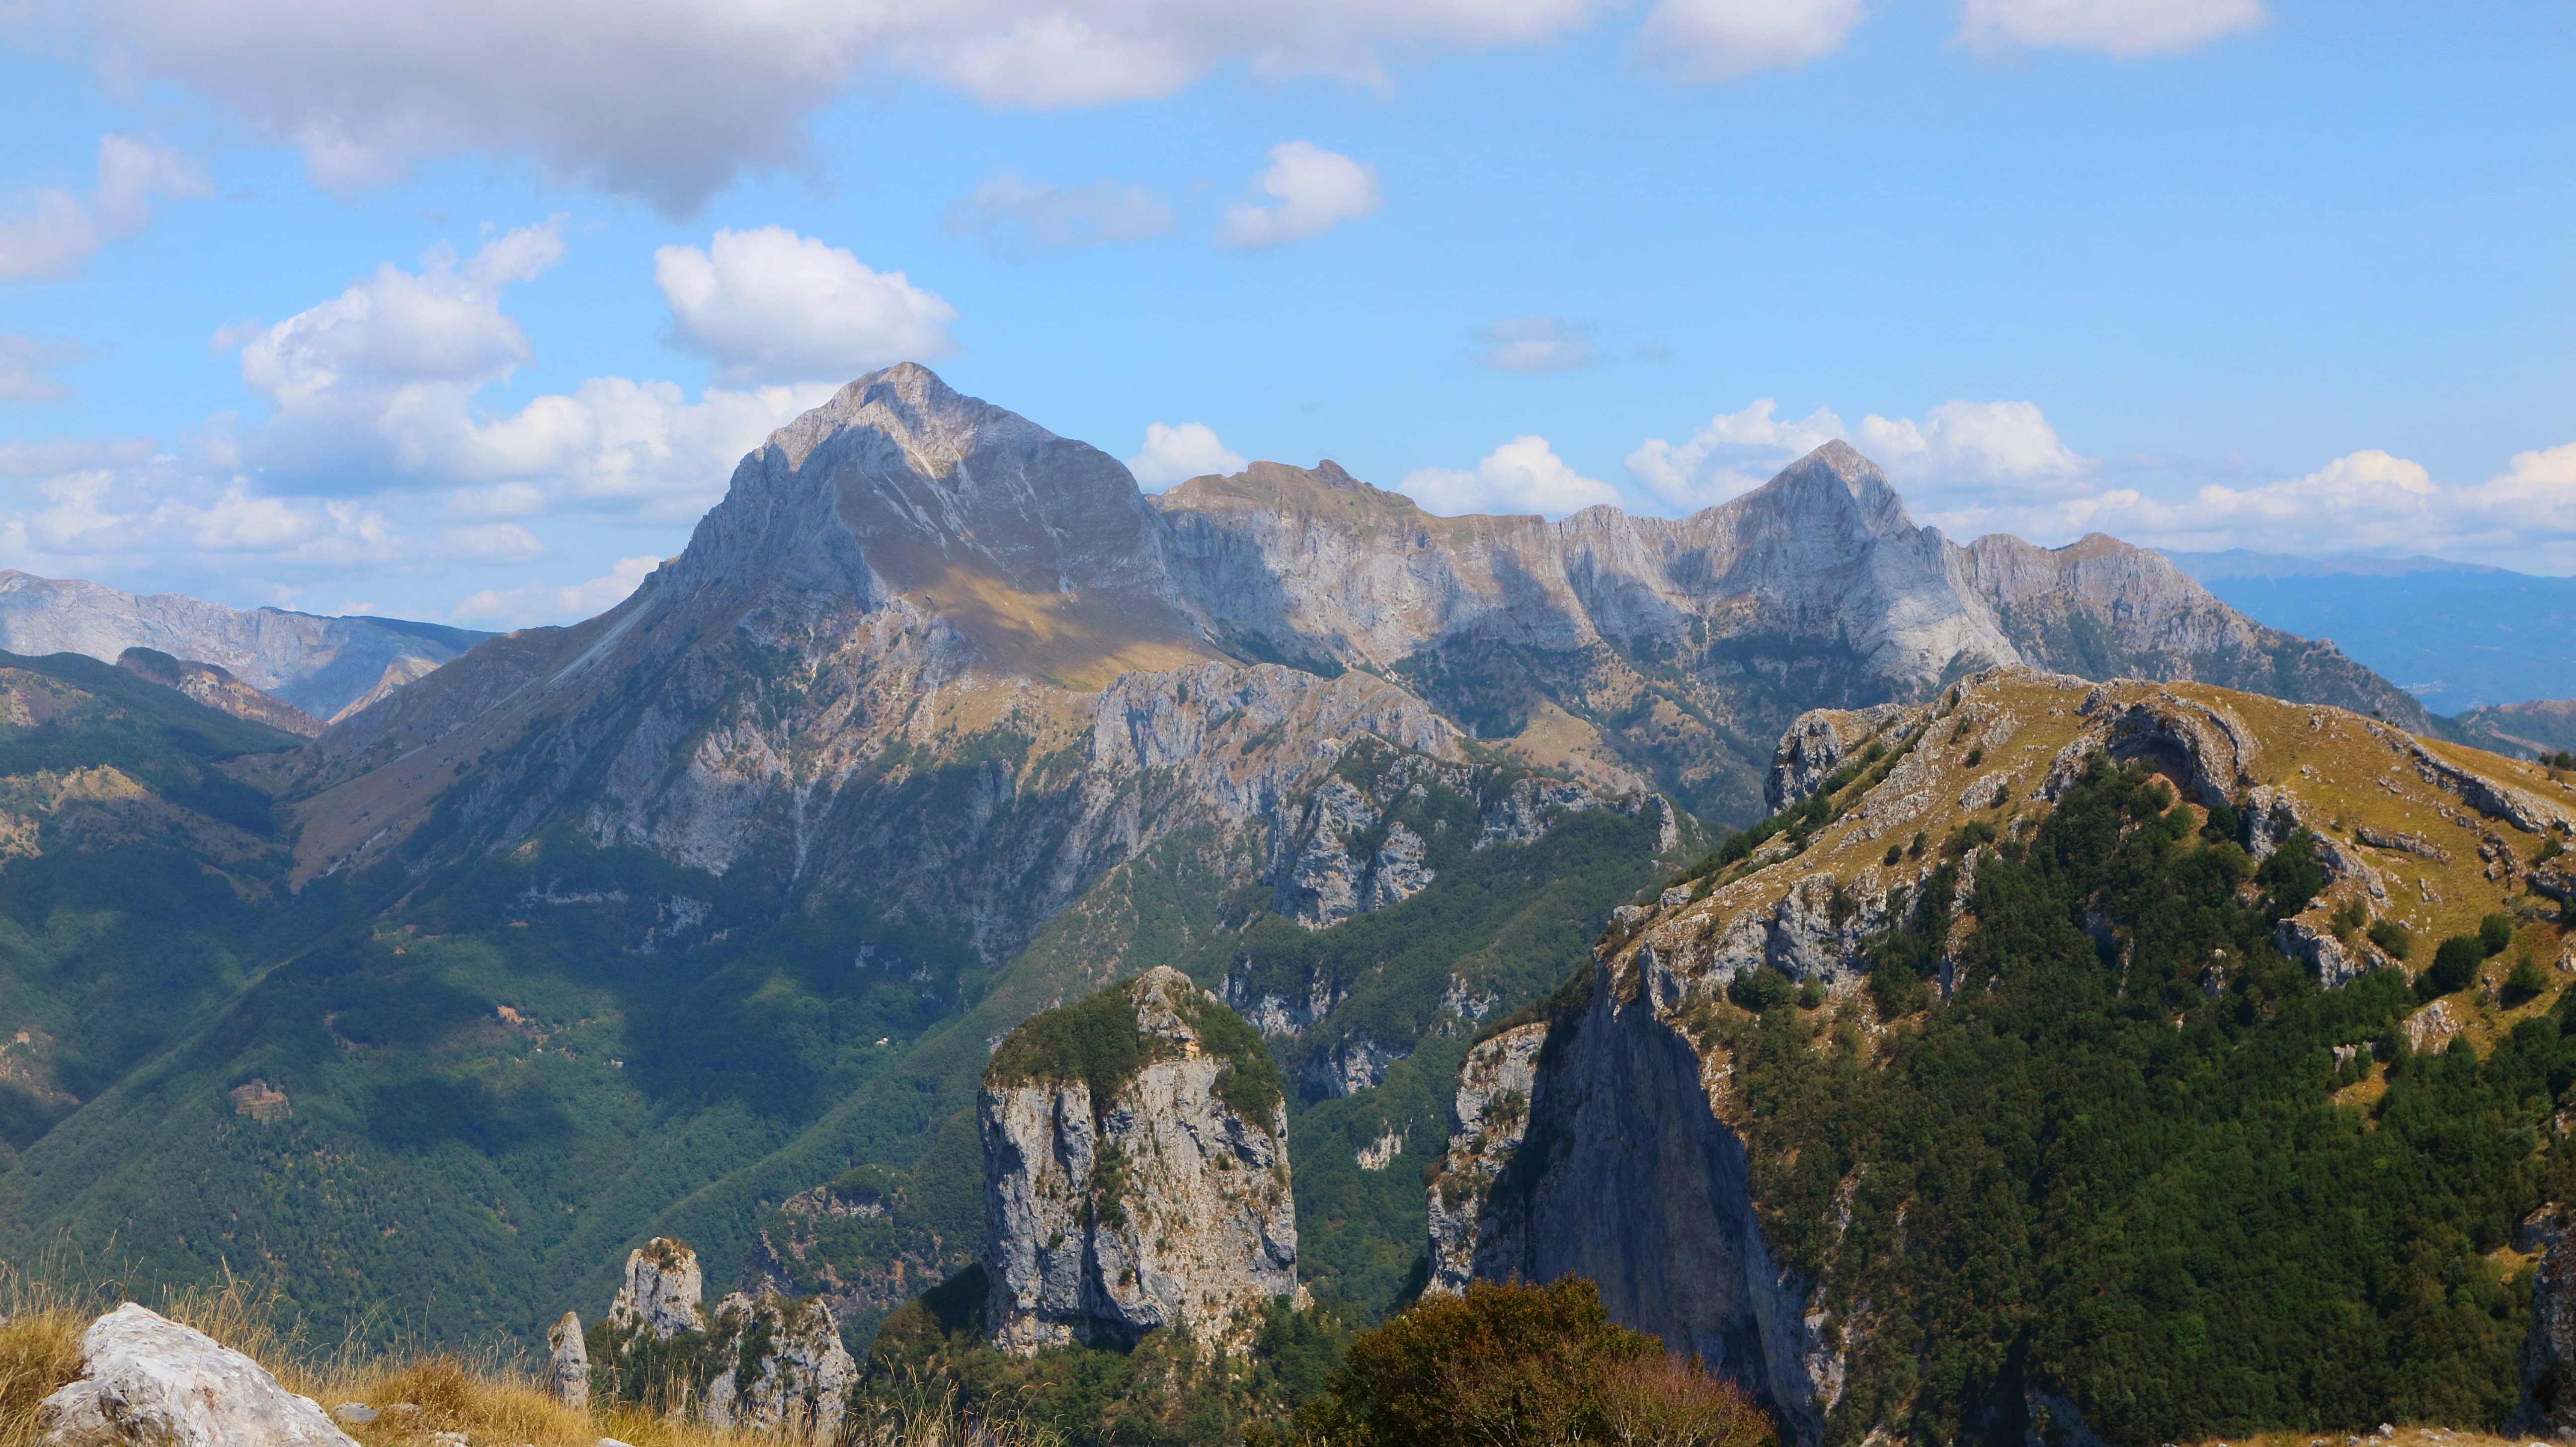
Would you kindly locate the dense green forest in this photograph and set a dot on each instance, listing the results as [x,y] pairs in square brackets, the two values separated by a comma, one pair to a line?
[441,1103]
[2113,1165]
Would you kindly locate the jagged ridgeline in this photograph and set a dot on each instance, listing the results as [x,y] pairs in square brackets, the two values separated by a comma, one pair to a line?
[2063,1059]
[701,919]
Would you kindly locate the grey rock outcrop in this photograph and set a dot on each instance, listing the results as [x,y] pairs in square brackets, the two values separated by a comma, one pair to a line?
[787,1372]
[1818,742]
[568,1362]
[1158,1204]
[318,665]
[1487,1121]
[663,1289]
[2548,1404]
[150,1382]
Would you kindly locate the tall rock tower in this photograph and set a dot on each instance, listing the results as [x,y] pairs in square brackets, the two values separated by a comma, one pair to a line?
[1135,1171]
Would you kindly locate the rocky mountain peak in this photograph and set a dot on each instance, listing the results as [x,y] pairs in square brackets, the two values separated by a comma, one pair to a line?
[1039,551]
[1834,480]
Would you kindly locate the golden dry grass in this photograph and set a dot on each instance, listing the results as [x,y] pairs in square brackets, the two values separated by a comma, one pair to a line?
[490,1399]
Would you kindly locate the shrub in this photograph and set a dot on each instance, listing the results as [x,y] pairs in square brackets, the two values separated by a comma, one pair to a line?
[2455,964]
[1974,758]
[1510,1364]
[1915,849]
[2293,874]
[1895,852]
[2496,933]
[1966,837]
[1760,989]
[2394,938]
[2526,982]
[2223,823]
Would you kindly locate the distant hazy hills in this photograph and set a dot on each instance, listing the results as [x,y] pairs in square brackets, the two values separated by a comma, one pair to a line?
[320,665]
[2456,635]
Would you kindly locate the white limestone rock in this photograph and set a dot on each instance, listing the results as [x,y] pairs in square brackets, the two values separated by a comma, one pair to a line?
[150,1382]
[568,1377]
[662,1292]
[1160,1206]
[1488,1118]
[800,1382]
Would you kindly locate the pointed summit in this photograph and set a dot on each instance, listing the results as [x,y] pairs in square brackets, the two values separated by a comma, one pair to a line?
[1037,549]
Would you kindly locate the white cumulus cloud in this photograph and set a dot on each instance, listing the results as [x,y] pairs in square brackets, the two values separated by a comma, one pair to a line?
[671,99]
[1313,190]
[1176,454]
[2119,27]
[1722,39]
[1952,456]
[1015,217]
[59,232]
[1523,475]
[1734,453]
[772,306]
[1972,442]
[536,603]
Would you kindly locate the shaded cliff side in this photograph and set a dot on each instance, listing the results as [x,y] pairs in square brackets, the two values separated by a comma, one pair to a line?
[1909,1106]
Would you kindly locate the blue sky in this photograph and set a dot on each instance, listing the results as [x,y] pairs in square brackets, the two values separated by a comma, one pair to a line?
[464,312]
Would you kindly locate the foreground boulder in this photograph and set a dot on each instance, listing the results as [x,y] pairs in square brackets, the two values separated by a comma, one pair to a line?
[1135,1171]
[568,1378]
[147,1379]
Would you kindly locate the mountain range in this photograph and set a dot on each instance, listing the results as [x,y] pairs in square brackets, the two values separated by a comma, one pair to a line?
[699,918]
[2459,636]
[325,667]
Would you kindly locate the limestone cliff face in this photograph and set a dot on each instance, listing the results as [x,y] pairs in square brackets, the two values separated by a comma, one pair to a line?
[1150,1196]
[663,1288]
[1631,1167]
[1677,636]
[1487,1122]
[924,650]
[786,1370]
[2548,1359]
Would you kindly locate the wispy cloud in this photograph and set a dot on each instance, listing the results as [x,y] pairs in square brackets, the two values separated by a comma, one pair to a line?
[56,232]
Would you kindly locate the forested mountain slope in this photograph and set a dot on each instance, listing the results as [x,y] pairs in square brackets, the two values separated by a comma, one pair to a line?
[700,918]
[2157,1061]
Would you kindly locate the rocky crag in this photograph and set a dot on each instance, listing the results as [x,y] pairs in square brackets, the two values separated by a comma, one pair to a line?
[1671,644]
[1605,1133]
[680,914]
[758,1360]
[320,666]
[1136,1172]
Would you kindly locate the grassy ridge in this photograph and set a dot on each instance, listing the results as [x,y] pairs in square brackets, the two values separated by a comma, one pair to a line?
[2122,1171]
